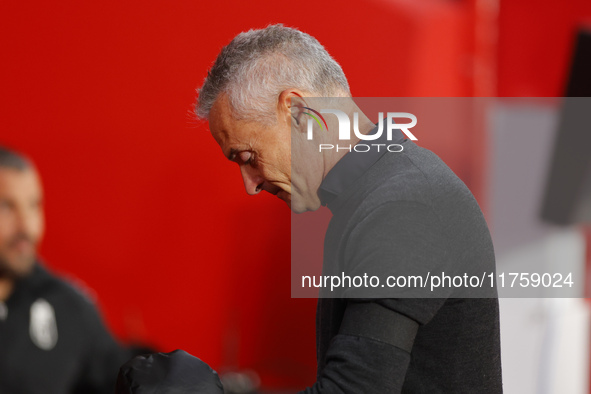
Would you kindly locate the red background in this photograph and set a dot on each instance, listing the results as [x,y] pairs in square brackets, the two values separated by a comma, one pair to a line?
[142,207]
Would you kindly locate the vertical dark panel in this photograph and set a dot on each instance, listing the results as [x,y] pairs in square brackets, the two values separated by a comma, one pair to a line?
[568,193]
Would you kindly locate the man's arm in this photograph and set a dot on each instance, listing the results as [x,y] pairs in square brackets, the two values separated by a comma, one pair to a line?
[370,354]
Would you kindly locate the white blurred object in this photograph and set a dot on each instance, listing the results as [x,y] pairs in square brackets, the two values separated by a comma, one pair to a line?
[544,341]
[42,324]
[240,382]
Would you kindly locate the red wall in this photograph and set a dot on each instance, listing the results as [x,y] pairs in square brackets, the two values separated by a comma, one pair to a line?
[535,45]
[141,205]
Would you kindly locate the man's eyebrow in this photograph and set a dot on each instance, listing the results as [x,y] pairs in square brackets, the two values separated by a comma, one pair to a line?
[232,155]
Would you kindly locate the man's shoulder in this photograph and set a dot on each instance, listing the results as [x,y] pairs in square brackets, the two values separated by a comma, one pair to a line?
[69,292]
[416,175]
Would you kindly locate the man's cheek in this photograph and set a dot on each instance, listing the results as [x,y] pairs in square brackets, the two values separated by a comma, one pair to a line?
[3,246]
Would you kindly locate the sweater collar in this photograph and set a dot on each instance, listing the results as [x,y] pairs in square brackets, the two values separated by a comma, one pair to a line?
[351,167]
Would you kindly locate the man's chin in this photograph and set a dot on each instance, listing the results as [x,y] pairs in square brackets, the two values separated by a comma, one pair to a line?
[285,196]
[19,266]
[298,207]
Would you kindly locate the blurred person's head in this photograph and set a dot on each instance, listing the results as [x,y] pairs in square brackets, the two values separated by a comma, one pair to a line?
[247,98]
[21,214]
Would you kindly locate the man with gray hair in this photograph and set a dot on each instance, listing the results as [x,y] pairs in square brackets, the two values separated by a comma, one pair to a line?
[389,209]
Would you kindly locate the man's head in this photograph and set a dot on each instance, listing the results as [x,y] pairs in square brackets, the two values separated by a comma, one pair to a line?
[247,98]
[21,214]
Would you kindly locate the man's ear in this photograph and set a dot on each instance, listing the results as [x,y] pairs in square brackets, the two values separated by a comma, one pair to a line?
[291,104]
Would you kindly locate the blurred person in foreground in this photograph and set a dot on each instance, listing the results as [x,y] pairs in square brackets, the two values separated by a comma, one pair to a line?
[390,210]
[52,340]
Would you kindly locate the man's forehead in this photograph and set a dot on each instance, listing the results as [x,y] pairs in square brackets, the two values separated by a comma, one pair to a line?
[219,118]
[9,173]
[223,127]
[220,135]
[16,181]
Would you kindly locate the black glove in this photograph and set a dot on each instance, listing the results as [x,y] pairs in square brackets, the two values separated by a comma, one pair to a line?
[167,373]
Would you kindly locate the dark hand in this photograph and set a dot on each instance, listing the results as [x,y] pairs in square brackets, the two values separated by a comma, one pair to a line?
[166,373]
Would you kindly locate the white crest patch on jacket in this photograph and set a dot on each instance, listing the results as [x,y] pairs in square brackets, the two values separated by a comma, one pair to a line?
[43,326]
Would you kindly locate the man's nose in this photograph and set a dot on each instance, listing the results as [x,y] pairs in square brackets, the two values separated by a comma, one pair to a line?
[253,183]
[29,221]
